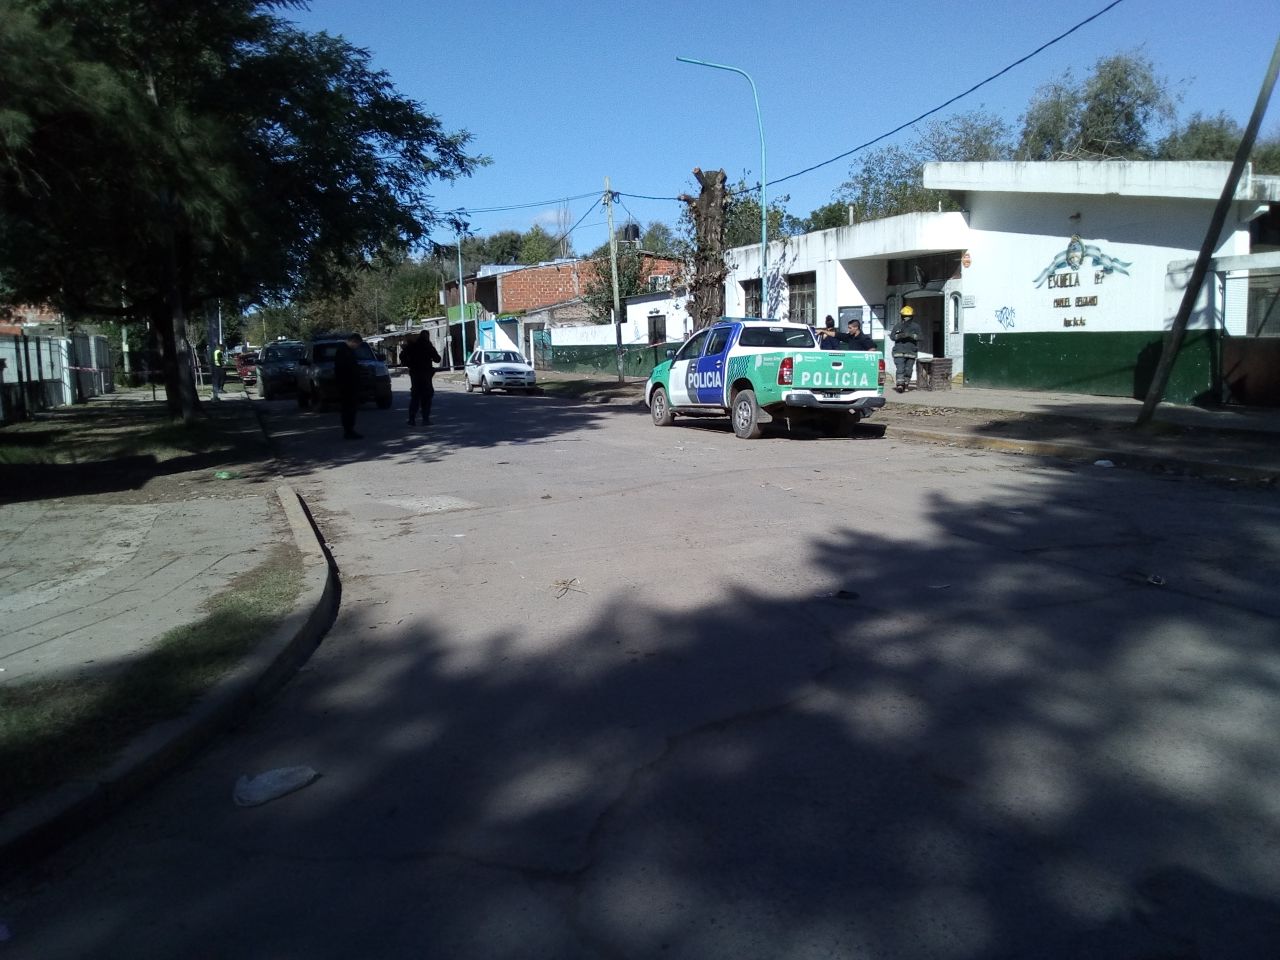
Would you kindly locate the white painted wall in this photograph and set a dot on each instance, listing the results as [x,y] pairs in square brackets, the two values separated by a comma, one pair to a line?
[596,334]
[1014,238]
[674,308]
[848,261]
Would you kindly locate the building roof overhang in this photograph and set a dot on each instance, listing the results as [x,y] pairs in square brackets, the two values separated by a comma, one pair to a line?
[1172,179]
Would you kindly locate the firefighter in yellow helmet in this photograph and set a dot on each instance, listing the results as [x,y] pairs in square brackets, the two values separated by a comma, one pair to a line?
[906,345]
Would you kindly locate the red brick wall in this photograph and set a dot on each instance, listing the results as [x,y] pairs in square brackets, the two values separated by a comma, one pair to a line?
[536,287]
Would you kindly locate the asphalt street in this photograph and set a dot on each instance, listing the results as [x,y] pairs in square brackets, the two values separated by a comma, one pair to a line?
[603,690]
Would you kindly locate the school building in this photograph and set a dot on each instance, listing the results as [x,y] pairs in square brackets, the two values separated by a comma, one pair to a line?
[1060,276]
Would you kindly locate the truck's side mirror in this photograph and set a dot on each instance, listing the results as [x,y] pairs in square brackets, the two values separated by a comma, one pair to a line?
[670,352]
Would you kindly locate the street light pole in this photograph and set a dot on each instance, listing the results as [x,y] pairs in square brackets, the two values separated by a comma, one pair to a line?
[462,304]
[764,210]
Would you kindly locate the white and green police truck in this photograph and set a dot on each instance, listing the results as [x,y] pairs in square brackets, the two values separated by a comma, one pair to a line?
[762,371]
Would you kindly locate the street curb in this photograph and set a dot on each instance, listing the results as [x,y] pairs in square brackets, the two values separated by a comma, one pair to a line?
[38,827]
[1078,451]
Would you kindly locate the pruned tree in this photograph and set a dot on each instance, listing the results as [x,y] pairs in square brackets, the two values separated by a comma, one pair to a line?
[707,215]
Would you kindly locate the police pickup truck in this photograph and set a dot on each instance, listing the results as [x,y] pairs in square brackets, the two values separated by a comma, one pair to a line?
[759,371]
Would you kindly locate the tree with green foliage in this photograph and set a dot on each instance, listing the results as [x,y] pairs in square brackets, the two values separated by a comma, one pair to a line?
[1114,112]
[597,288]
[1216,138]
[742,217]
[538,246]
[825,217]
[659,238]
[889,181]
[155,157]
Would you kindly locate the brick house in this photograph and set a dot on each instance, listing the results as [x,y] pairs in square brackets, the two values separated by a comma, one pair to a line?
[506,305]
[515,289]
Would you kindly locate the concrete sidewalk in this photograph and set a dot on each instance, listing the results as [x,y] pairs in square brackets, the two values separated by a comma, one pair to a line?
[1228,443]
[90,583]
[1117,410]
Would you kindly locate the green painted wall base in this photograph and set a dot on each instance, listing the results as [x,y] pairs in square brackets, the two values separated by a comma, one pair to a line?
[638,359]
[1102,364]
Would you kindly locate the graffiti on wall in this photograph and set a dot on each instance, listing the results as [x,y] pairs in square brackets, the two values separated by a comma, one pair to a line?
[1075,254]
[1005,317]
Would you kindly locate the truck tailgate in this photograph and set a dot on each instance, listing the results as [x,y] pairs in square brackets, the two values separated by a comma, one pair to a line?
[836,370]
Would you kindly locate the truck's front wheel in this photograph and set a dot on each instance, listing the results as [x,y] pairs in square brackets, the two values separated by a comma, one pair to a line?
[746,415]
[660,407]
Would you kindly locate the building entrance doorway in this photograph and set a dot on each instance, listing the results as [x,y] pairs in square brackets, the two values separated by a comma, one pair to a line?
[931,315]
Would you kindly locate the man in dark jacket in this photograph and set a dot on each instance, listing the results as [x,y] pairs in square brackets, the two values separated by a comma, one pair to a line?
[346,377]
[855,339]
[419,357]
[906,345]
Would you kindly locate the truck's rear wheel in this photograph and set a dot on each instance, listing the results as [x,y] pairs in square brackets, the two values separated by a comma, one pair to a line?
[660,408]
[746,415]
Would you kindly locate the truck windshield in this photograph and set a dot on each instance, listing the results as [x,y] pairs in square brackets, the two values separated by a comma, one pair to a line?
[797,338]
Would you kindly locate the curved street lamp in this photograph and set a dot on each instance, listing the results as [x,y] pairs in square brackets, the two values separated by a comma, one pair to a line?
[764,210]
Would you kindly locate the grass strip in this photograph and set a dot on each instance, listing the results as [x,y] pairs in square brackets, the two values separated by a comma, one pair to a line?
[52,731]
[595,389]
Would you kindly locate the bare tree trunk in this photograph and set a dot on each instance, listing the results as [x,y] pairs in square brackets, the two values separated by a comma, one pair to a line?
[706,288]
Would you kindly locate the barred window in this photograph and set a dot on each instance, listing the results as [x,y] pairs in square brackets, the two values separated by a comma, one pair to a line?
[802,293]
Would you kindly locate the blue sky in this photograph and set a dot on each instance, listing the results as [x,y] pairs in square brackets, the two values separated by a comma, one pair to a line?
[563,94]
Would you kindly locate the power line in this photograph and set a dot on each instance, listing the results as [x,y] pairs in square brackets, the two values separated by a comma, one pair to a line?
[862,146]
[524,206]
[566,234]
[945,104]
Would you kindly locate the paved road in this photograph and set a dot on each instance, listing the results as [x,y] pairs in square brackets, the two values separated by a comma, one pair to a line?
[595,691]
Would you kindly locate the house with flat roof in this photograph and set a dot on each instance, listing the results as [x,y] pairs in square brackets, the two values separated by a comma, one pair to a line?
[1058,276]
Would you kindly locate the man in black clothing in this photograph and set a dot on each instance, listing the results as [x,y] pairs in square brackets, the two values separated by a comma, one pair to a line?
[855,339]
[346,377]
[419,356]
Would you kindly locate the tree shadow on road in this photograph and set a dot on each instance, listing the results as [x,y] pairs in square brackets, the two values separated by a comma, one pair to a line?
[1001,740]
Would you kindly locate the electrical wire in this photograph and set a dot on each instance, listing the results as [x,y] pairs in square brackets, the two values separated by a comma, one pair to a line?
[564,236]
[944,105]
[928,113]
[840,156]
[525,206]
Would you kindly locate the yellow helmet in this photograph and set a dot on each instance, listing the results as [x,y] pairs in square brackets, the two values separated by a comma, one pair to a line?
[907,311]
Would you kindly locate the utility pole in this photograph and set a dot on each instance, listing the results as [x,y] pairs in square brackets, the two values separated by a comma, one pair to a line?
[1173,341]
[613,268]
[462,303]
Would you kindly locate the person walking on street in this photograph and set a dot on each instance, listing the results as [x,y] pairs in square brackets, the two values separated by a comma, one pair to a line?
[346,377]
[906,345]
[420,356]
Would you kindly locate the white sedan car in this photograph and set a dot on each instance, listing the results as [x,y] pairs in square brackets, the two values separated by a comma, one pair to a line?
[498,370]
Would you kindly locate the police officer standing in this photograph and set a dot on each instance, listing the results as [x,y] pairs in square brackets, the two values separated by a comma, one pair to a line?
[346,377]
[419,357]
[906,345]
